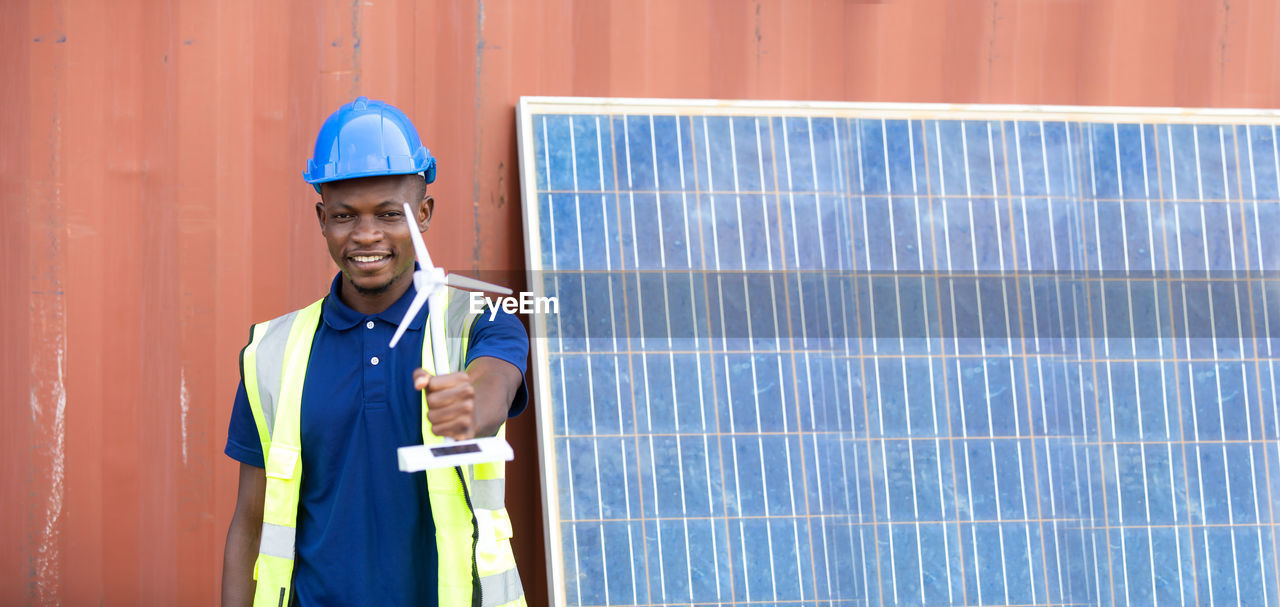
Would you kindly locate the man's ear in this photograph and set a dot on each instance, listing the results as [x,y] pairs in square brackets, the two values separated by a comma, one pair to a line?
[320,215]
[425,209]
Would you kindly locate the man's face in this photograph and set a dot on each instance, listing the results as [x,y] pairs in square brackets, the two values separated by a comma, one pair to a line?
[362,221]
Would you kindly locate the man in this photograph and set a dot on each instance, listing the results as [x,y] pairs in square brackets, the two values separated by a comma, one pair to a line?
[326,517]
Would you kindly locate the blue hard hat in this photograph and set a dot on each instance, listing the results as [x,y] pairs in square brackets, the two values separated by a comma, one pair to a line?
[366,138]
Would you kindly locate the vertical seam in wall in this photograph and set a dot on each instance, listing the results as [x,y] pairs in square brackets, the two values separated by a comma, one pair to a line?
[1222,41]
[355,49]
[479,142]
[991,46]
[49,328]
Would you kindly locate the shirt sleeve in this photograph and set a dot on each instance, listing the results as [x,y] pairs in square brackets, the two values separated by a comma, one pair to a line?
[243,443]
[504,338]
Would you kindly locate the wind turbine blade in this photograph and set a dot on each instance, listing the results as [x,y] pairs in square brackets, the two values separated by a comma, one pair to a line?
[419,247]
[462,282]
[414,307]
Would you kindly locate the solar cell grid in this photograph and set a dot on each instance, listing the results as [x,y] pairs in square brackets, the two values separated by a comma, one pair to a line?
[844,355]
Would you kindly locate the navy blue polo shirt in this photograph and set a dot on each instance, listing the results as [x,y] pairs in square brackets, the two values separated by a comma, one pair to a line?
[365,533]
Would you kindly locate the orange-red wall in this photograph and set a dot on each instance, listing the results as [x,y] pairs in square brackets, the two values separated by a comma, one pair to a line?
[150,161]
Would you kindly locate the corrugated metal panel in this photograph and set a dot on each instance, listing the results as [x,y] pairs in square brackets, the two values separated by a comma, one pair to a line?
[150,159]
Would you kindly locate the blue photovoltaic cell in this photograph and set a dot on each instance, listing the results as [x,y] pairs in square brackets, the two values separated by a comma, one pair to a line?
[825,357]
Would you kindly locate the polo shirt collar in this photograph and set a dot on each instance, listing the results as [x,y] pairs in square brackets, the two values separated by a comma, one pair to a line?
[340,317]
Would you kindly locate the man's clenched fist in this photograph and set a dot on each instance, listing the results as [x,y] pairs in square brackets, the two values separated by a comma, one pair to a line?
[451,403]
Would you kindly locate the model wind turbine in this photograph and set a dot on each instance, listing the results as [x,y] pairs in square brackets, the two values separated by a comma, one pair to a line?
[428,280]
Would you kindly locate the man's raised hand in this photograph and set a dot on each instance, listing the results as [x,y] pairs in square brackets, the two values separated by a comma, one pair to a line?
[451,404]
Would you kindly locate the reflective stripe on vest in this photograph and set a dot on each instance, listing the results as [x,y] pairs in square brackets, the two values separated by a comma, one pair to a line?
[466,502]
[501,588]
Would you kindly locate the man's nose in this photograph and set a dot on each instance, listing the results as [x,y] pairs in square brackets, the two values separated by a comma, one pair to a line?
[366,231]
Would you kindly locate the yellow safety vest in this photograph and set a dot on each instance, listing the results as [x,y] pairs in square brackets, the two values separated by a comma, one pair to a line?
[473,529]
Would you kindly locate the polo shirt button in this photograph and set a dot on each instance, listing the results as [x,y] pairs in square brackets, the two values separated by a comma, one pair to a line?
[374,361]
[369,325]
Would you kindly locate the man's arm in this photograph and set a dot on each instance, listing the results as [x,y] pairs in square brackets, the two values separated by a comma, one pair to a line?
[242,538]
[470,403]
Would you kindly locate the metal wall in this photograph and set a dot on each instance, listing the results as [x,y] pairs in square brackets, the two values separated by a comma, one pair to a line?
[150,178]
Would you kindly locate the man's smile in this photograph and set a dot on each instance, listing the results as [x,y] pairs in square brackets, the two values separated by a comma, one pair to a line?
[369,261]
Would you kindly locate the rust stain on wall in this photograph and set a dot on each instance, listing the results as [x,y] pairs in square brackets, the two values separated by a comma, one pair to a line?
[150,162]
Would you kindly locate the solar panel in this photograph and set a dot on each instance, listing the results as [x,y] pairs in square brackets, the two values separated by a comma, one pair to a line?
[819,354]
